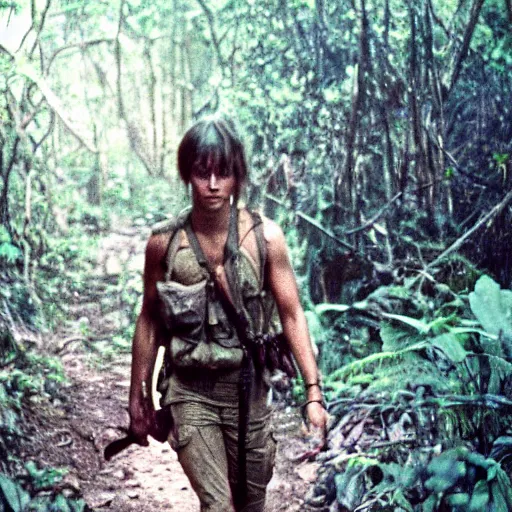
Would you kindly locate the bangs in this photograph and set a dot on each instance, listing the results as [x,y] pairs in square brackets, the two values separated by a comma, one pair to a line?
[213,159]
[212,146]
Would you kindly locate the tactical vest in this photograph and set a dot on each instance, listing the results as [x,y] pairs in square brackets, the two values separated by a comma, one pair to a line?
[211,331]
[201,334]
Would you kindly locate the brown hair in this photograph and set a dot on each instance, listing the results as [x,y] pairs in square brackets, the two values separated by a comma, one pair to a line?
[213,144]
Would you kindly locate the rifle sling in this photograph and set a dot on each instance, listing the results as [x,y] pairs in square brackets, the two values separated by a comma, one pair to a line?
[240,324]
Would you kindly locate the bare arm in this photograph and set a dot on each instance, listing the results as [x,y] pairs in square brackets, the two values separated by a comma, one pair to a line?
[145,341]
[284,288]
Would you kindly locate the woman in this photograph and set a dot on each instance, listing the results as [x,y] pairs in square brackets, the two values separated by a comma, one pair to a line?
[211,278]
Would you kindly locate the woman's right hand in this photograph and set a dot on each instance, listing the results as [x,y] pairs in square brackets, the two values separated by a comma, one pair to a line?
[142,420]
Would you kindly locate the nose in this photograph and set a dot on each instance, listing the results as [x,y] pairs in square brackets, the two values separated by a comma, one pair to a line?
[212,183]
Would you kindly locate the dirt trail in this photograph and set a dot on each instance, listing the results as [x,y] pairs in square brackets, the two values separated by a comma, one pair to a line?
[74,430]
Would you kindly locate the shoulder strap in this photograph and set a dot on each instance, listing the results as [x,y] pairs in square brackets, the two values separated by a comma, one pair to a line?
[172,249]
[261,244]
[172,226]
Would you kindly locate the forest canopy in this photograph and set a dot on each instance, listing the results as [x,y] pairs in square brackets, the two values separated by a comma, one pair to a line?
[347,107]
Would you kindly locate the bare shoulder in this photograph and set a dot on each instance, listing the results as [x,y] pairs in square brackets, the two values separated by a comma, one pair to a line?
[274,236]
[271,230]
[156,249]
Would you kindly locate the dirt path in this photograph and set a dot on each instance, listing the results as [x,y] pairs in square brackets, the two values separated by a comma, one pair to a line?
[74,430]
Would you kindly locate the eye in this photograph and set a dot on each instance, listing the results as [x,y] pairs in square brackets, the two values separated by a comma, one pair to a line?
[201,172]
[225,173]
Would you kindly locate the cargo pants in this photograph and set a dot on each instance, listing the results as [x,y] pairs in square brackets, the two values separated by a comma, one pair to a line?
[205,437]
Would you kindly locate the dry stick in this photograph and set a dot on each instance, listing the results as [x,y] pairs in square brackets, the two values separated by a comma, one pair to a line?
[364,226]
[314,223]
[70,340]
[459,242]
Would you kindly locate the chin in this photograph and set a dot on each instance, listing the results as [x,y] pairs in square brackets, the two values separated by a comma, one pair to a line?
[213,206]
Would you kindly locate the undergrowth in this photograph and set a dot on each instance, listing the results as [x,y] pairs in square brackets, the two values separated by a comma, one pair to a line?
[421,418]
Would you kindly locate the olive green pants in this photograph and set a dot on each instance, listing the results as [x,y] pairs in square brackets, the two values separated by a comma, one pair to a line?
[205,438]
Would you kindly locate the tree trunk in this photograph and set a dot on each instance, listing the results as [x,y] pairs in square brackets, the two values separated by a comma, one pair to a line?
[358,93]
[466,41]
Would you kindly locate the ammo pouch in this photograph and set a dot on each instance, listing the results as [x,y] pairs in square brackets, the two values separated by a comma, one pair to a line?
[183,307]
[202,336]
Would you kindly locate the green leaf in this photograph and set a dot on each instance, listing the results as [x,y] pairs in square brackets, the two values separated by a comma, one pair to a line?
[323,308]
[350,487]
[419,325]
[505,488]
[501,158]
[399,499]
[430,504]
[61,504]
[471,330]
[78,506]
[14,495]
[9,252]
[502,447]
[397,338]
[492,306]
[479,497]
[395,476]
[458,499]
[448,173]
[4,235]
[449,344]
[498,497]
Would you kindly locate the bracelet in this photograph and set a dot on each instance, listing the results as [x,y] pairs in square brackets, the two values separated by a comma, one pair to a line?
[304,406]
[312,384]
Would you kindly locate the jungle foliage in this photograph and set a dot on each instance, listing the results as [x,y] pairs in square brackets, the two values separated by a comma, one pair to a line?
[422,420]
[379,135]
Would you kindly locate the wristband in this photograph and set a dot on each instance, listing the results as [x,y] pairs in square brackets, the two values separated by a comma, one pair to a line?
[312,384]
[305,406]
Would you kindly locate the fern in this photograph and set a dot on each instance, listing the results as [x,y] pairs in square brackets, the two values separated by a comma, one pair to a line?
[373,359]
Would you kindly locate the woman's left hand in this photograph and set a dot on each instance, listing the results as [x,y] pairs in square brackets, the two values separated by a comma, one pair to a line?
[317,418]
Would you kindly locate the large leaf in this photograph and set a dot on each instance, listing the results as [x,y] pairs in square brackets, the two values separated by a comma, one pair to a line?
[501,448]
[503,480]
[480,497]
[419,325]
[396,338]
[492,306]
[395,476]
[350,487]
[450,345]
[12,495]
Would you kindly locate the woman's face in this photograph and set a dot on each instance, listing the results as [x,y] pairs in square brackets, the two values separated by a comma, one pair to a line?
[211,188]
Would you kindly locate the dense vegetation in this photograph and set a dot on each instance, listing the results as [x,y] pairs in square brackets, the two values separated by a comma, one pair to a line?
[379,135]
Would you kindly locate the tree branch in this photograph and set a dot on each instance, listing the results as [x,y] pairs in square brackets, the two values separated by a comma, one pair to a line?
[40,27]
[466,41]
[357,100]
[82,46]
[484,220]
[54,103]
[314,223]
[213,33]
